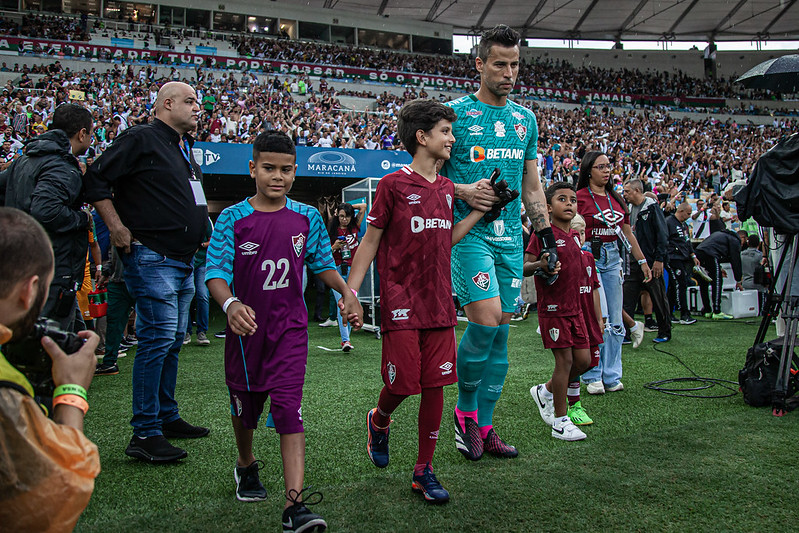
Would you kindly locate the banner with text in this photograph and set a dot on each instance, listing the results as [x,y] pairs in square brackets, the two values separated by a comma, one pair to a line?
[232,159]
[88,50]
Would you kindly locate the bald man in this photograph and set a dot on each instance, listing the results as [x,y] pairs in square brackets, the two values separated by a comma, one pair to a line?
[148,190]
[682,260]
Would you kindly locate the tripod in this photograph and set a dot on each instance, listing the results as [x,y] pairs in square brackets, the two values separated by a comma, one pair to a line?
[788,302]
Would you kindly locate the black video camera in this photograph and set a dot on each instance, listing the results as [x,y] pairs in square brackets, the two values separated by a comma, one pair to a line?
[29,357]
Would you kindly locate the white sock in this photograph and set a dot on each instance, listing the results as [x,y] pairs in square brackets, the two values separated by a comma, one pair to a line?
[633,327]
[547,394]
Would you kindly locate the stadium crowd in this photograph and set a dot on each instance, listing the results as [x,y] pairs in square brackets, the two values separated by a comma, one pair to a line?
[539,72]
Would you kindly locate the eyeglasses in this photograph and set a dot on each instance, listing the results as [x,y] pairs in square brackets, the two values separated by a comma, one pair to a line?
[602,167]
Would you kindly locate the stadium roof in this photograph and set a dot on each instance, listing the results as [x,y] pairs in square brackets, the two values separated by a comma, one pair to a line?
[719,20]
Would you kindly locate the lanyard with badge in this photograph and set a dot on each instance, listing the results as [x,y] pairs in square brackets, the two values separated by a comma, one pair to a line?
[196,184]
[616,228]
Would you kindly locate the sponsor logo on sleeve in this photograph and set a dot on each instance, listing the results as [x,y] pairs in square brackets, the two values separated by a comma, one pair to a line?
[400,314]
[392,372]
[446,368]
[482,280]
[521,131]
[298,242]
[516,283]
[249,248]
[499,128]
[554,334]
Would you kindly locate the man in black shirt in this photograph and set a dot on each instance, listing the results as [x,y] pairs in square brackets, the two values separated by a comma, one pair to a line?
[682,260]
[720,247]
[148,190]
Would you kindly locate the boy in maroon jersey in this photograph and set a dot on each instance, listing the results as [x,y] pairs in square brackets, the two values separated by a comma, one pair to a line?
[411,232]
[591,308]
[560,316]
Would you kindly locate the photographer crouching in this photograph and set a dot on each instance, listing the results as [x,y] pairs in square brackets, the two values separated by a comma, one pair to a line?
[47,466]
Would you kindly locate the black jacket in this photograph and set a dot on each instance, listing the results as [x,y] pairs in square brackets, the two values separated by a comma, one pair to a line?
[651,233]
[680,247]
[725,246]
[46,182]
[146,174]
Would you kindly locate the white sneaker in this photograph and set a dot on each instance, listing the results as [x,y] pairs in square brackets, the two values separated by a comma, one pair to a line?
[545,406]
[615,388]
[566,430]
[187,338]
[329,322]
[638,335]
[595,387]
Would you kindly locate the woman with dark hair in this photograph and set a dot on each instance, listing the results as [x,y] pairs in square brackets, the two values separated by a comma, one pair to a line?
[608,231]
[343,231]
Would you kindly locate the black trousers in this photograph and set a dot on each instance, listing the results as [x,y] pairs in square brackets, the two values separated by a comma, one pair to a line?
[679,279]
[713,268]
[634,284]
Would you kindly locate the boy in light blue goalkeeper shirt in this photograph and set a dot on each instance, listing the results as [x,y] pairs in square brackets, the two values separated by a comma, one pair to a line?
[491,132]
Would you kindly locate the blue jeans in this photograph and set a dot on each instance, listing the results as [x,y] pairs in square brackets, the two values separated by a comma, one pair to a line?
[343,326]
[200,299]
[163,289]
[608,266]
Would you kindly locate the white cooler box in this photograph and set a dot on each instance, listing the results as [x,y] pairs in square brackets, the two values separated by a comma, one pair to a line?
[739,304]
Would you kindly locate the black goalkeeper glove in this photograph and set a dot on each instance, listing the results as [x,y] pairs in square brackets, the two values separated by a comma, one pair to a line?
[548,246]
[505,194]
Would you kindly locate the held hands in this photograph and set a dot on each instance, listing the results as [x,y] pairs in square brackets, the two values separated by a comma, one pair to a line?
[351,308]
[77,368]
[480,195]
[544,270]
[505,194]
[241,319]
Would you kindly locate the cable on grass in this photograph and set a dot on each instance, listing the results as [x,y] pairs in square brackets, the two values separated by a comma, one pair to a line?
[700,383]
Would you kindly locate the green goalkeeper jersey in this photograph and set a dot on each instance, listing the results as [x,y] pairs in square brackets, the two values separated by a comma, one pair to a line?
[489,137]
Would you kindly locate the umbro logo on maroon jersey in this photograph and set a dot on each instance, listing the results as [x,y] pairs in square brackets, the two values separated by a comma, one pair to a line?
[414,199]
[613,218]
[482,280]
[560,243]
[249,248]
[298,241]
[521,131]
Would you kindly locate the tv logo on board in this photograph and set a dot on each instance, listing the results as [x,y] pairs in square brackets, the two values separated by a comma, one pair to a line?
[204,157]
[331,163]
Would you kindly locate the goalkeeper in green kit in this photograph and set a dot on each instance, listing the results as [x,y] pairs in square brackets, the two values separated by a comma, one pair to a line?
[492,132]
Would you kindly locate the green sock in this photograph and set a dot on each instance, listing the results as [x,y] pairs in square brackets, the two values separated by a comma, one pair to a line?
[493,377]
[472,356]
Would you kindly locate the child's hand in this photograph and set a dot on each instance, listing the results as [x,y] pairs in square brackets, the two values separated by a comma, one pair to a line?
[545,264]
[352,310]
[241,319]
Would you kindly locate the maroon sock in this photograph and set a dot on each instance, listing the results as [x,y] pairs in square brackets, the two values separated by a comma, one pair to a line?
[430,409]
[386,405]
[573,392]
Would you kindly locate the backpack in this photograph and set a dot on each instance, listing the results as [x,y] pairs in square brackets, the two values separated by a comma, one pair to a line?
[759,375]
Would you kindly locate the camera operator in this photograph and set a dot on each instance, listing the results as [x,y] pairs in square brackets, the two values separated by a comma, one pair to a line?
[47,183]
[47,467]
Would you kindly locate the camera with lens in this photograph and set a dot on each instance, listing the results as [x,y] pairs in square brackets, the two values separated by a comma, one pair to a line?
[29,356]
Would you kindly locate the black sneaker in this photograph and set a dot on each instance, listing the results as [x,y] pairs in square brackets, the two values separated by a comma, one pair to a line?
[180,429]
[468,440]
[625,341]
[650,326]
[106,370]
[297,517]
[155,449]
[674,319]
[427,484]
[219,334]
[125,345]
[248,485]
[131,339]
[687,320]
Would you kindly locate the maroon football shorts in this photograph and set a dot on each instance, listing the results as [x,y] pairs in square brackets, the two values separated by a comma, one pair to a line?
[285,407]
[416,359]
[563,332]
